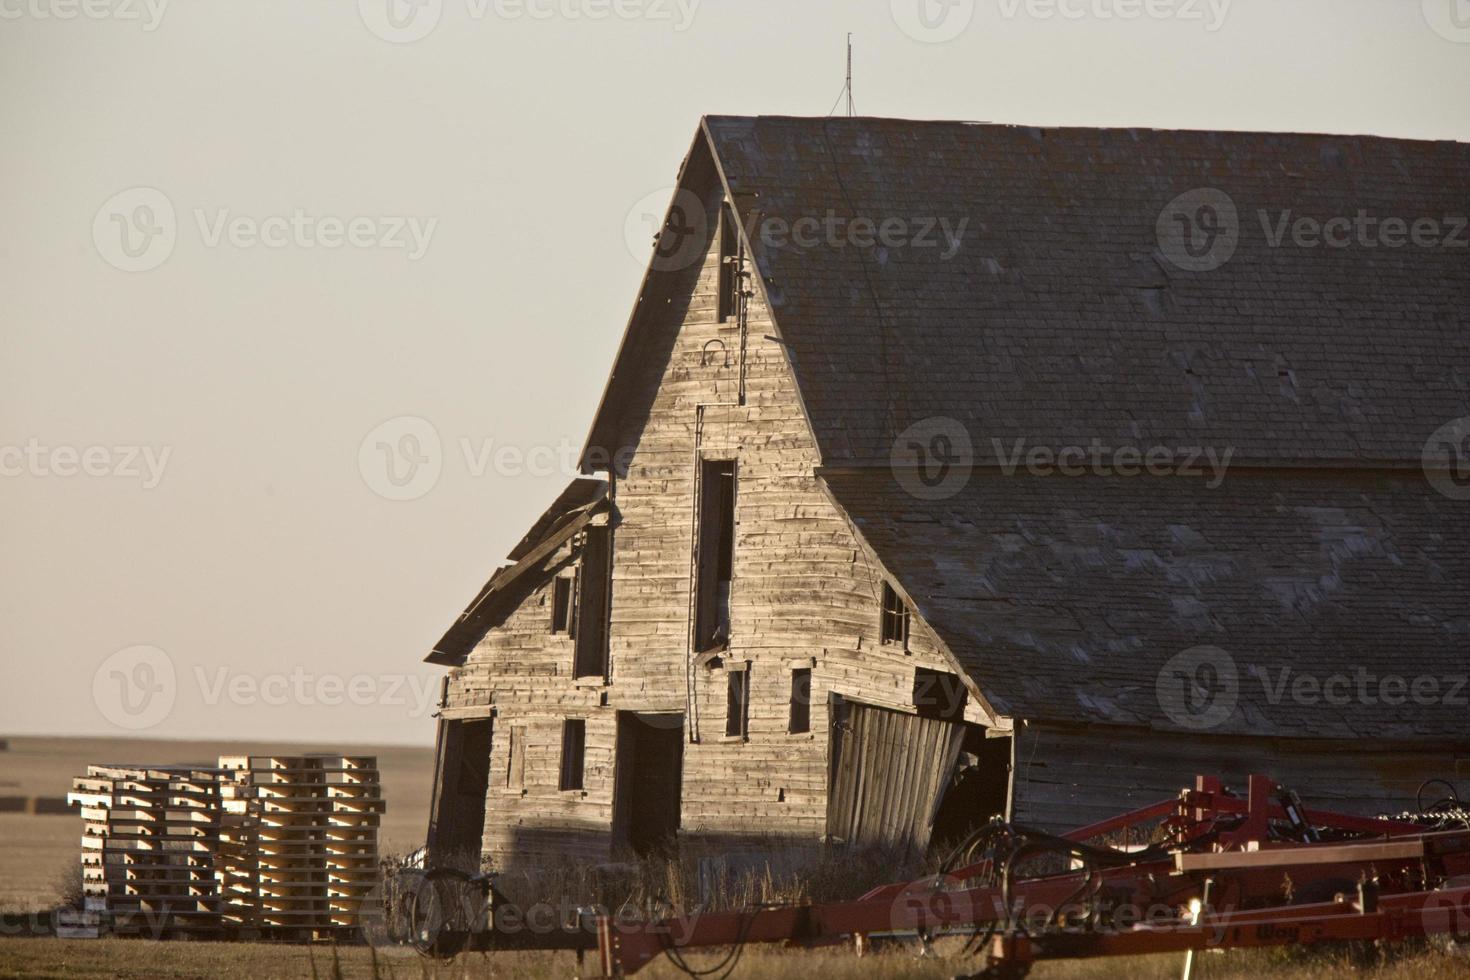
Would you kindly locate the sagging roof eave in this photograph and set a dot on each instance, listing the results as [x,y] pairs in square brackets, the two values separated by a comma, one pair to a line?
[447,652]
[579,493]
[993,717]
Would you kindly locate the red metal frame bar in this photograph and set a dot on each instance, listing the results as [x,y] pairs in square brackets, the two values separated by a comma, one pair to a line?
[1396,918]
[1163,808]
[1223,805]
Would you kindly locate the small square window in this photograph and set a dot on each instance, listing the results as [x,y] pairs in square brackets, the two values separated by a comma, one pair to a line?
[895,625]
[573,752]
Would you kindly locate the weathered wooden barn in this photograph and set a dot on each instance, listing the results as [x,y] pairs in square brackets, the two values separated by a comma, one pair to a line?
[804,590]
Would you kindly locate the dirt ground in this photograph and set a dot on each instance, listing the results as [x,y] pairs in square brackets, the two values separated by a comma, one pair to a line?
[141,959]
[36,850]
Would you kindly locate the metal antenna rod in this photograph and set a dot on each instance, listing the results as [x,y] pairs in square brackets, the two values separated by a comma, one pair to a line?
[849,73]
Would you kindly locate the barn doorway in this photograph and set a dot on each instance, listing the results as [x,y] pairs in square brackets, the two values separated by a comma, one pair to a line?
[649,780]
[457,814]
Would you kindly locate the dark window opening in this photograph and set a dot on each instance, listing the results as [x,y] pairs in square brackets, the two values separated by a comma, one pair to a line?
[895,626]
[591,625]
[801,701]
[938,694]
[573,752]
[729,298]
[737,703]
[716,547]
[561,605]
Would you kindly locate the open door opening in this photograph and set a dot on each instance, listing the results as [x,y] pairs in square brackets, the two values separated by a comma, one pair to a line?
[649,781]
[457,816]
[978,788]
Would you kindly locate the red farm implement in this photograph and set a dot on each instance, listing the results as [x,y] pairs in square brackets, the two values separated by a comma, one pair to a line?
[1218,872]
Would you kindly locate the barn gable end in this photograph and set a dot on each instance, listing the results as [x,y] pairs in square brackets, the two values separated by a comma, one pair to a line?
[805,598]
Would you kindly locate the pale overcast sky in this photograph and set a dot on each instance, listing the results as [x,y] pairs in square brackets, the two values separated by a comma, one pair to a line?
[196,329]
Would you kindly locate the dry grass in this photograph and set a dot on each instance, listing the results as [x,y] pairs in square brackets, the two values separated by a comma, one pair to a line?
[710,879]
[136,959]
[35,851]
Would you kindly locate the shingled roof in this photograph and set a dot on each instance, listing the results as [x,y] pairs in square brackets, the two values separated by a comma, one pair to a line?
[1064,598]
[1059,319]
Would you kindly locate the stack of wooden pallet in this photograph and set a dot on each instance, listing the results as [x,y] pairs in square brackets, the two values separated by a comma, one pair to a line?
[150,835]
[302,840]
[352,835]
[272,845]
[235,866]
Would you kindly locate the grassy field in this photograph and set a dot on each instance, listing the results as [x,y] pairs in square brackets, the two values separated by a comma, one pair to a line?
[36,850]
[136,959]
